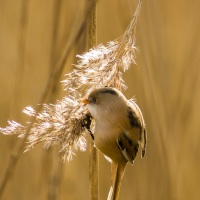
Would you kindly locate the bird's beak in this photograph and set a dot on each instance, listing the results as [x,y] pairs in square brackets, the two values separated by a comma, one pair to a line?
[85,101]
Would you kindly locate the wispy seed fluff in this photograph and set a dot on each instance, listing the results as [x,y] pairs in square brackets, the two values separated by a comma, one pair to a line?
[62,123]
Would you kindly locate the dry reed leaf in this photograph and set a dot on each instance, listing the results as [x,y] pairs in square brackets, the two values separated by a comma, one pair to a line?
[63,123]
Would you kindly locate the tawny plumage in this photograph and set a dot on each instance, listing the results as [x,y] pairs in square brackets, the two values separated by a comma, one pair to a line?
[119,131]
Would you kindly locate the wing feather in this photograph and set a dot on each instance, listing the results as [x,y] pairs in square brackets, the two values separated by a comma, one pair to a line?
[137,121]
[128,147]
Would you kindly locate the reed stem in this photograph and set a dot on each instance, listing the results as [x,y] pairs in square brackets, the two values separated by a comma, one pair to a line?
[94,155]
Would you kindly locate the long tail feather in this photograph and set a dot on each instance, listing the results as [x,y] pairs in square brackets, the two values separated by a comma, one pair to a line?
[117,175]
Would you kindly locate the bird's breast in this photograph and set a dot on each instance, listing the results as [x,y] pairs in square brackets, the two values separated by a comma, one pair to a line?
[106,140]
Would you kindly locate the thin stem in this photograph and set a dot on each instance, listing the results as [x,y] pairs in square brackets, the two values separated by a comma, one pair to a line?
[94,155]
[16,98]
[56,168]
[52,82]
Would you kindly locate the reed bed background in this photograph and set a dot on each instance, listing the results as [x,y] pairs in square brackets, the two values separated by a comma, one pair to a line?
[165,82]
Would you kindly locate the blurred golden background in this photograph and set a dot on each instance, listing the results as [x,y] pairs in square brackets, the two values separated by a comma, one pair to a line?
[165,82]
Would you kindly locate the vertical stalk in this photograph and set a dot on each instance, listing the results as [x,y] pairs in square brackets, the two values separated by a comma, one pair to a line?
[56,168]
[19,75]
[17,90]
[94,155]
[53,80]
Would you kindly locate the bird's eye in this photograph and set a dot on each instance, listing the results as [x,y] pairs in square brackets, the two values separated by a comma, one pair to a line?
[94,100]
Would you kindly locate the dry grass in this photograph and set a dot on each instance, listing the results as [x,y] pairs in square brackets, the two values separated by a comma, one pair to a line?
[165,84]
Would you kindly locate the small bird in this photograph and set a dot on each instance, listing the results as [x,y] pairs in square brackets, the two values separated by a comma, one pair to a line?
[119,130]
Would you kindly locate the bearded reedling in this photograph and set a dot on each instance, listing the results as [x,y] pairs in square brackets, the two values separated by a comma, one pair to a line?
[119,130]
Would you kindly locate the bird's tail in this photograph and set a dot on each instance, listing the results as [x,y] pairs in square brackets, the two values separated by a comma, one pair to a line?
[117,171]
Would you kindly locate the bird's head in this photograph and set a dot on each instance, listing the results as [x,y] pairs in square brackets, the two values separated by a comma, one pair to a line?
[103,101]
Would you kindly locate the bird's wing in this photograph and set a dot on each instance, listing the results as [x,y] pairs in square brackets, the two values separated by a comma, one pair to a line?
[128,147]
[143,131]
[137,133]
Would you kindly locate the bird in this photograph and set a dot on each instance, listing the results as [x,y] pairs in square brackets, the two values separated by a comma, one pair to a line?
[119,131]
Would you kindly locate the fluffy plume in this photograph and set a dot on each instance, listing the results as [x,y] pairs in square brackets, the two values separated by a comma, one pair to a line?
[64,123]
